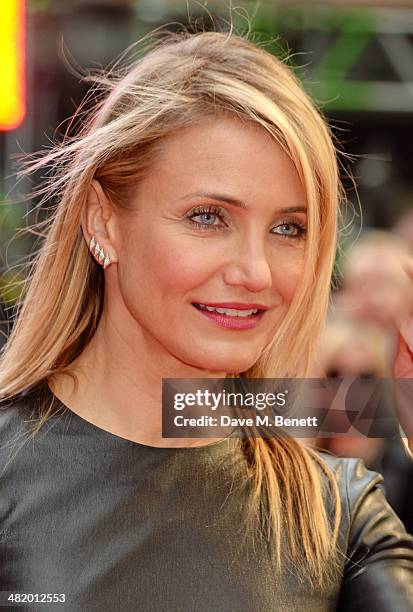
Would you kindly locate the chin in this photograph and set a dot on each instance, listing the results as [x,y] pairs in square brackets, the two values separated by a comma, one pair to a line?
[227,364]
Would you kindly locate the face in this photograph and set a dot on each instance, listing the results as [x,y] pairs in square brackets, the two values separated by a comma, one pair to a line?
[220,219]
[355,358]
[376,288]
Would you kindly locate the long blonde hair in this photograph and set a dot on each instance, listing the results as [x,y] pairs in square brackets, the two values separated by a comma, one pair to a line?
[179,79]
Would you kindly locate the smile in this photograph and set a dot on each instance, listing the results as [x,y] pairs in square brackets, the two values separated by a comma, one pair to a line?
[231,312]
[231,318]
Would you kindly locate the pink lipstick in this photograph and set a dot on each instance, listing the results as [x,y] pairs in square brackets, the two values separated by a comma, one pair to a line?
[230,319]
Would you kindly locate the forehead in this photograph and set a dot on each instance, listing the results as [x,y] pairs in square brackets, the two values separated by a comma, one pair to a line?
[222,152]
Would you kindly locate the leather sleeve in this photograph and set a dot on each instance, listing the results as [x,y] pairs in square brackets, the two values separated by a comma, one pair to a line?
[379,569]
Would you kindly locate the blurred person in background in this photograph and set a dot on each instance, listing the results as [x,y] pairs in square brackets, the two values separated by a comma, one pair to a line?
[354,348]
[376,287]
[350,349]
[375,298]
[204,185]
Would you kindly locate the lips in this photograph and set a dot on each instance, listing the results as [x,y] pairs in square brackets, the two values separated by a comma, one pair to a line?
[229,312]
[235,305]
[232,318]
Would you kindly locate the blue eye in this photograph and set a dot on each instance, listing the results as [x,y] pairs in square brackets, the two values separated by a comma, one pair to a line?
[206,218]
[208,215]
[291,230]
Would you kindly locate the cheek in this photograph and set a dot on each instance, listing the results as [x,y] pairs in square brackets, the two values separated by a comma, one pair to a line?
[175,268]
[286,278]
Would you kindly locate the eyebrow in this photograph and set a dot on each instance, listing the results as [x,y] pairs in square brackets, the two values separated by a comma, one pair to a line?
[238,203]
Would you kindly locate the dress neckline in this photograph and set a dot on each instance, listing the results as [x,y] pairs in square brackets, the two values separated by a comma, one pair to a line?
[85,424]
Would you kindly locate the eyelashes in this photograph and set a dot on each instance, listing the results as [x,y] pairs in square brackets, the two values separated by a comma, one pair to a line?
[299,229]
[205,211]
[210,213]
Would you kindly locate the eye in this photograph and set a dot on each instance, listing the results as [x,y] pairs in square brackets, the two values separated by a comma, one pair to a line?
[206,215]
[205,218]
[289,229]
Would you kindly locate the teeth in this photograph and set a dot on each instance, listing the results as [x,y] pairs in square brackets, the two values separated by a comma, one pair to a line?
[232,312]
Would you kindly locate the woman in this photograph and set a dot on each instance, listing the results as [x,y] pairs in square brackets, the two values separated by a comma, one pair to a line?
[205,179]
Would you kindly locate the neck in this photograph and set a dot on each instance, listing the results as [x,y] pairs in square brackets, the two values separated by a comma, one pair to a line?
[119,376]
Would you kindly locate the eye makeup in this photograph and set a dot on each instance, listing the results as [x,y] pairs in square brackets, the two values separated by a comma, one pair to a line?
[212,212]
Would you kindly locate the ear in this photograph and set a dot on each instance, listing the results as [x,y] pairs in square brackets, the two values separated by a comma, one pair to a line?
[97,219]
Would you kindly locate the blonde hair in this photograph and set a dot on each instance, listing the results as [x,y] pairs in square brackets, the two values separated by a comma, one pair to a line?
[181,78]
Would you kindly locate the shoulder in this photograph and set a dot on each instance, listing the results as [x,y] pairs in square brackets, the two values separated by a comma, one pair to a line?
[14,419]
[367,517]
[17,416]
[354,479]
[21,408]
[12,414]
[362,493]
[376,545]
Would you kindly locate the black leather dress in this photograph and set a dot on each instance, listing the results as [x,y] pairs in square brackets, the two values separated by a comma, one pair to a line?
[108,524]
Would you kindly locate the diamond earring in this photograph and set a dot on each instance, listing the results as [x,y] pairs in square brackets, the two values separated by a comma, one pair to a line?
[99,253]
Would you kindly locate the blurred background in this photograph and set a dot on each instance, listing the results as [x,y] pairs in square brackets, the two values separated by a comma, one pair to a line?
[356,60]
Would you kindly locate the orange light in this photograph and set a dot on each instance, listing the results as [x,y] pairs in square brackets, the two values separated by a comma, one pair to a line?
[12,63]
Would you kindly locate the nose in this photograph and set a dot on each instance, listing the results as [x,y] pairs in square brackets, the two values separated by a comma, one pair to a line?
[249,267]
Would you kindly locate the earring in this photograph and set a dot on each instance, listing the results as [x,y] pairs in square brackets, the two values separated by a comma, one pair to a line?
[99,253]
